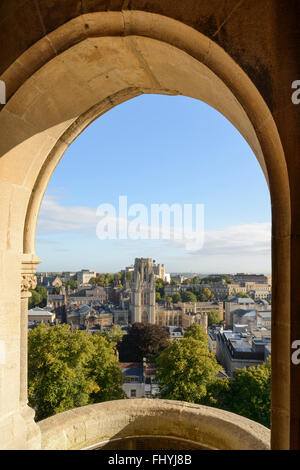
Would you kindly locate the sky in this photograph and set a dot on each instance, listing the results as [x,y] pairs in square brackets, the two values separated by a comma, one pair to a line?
[157,149]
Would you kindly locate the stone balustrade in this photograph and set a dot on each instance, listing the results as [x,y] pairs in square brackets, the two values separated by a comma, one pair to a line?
[188,426]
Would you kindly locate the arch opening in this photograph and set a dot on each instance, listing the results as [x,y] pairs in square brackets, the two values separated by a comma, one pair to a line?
[139,53]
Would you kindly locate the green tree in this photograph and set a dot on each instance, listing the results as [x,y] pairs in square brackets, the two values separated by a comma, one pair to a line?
[206,294]
[38,297]
[217,392]
[188,297]
[243,294]
[114,334]
[34,300]
[160,287]
[105,371]
[249,393]
[176,298]
[67,369]
[185,369]
[143,340]
[197,332]
[57,369]
[213,317]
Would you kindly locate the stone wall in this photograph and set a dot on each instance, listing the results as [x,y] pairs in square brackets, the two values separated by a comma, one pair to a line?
[211,428]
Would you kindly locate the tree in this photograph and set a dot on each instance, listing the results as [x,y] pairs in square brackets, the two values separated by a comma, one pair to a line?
[38,297]
[243,294]
[176,298]
[213,317]
[34,300]
[105,371]
[143,340]
[188,297]
[67,369]
[160,287]
[184,370]
[114,334]
[197,332]
[206,294]
[57,369]
[249,393]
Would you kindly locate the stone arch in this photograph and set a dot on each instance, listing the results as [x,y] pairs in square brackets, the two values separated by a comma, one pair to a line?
[105,59]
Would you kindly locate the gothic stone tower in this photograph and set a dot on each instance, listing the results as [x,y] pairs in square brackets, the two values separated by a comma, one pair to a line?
[142,301]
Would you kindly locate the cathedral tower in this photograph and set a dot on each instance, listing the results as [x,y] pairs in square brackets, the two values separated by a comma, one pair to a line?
[142,301]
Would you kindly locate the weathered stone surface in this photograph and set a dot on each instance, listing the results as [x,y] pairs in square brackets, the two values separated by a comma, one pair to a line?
[88,426]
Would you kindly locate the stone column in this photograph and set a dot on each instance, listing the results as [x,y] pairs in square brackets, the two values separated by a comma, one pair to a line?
[28,282]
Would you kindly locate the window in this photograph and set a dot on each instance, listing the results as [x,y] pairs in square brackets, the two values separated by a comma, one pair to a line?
[133,393]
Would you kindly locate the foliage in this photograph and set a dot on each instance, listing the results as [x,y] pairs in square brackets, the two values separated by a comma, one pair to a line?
[67,369]
[114,334]
[184,370]
[243,294]
[143,340]
[206,294]
[197,332]
[72,283]
[176,298]
[213,317]
[160,287]
[188,296]
[105,371]
[38,297]
[249,393]
[246,394]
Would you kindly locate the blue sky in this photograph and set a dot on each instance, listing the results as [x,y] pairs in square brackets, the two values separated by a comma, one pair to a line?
[158,149]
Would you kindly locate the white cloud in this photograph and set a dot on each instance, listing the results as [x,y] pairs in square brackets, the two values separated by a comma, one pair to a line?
[247,239]
[244,239]
[54,217]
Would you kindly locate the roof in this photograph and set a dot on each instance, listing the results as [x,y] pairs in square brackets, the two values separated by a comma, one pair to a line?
[38,312]
[245,313]
[132,369]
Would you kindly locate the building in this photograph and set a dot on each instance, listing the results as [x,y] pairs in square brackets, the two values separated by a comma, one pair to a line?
[41,315]
[236,303]
[142,300]
[84,276]
[90,294]
[235,350]
[159,270]
[139,379]
[256,278]
[87,317]
[184,314]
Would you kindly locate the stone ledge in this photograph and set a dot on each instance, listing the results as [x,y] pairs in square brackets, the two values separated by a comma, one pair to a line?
[209,427]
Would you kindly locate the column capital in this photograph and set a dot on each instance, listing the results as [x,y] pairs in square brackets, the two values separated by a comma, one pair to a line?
[29,266]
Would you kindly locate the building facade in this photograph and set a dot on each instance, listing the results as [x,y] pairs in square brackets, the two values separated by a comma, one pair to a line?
[142,300]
